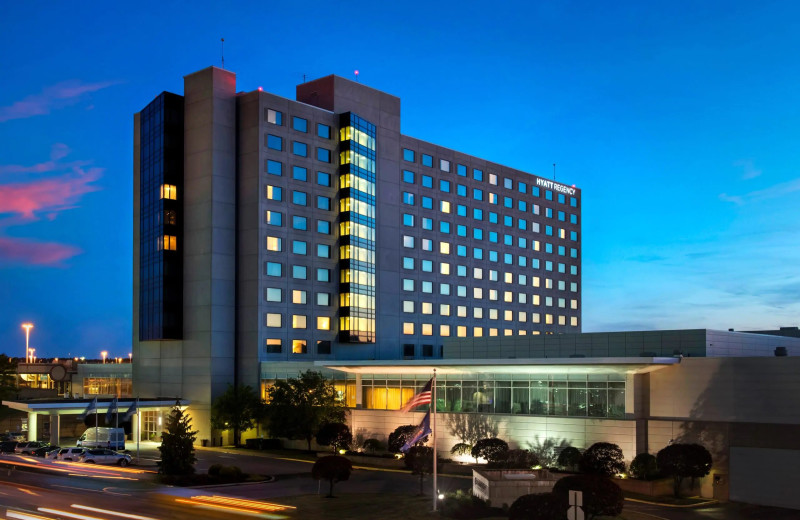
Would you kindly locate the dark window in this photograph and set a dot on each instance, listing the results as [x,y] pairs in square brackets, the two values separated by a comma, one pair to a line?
[274,346]
[461,170]
[299,173]
[324,155]
[427,160]
[299,148]
[274,167]
[323,131]
[323,347]
[300,124]
[408,350]
[427,350]
[408,155]
[299,198]
[274,142]
[408,176]
[323,179]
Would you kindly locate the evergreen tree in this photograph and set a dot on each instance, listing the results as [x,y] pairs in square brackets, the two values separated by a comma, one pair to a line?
[177,446]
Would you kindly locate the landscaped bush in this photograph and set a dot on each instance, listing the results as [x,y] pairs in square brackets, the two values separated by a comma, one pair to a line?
[336,435]
[569,458]
[516,459]
[372,445]
[464,506]
[493,450]
[214,469]
[602,458]
[644,467]
[543,506]
[399,436]
[601,497]
[231,473]
[684,460]
[461,448]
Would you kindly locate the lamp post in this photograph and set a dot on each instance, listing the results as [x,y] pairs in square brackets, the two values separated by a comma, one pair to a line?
[130,357]
[27,327]
[104,354]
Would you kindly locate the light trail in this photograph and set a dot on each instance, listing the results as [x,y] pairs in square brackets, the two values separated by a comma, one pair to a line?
[113,513]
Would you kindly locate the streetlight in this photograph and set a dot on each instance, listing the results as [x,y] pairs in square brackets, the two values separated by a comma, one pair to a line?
[104,354]
[130,357]
[27,327]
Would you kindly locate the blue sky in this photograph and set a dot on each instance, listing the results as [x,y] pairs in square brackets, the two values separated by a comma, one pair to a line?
[679,122]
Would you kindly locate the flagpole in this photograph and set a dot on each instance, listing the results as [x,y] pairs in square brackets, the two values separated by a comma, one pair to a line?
[435,473]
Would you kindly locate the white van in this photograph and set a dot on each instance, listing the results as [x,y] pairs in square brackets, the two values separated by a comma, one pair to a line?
[112,438]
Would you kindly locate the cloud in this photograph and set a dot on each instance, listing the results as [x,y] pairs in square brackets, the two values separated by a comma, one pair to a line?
[646,258]
[26,199]
[57,152]
[56,96]
[749,171]
[31,252]
[771,192]
[731,198]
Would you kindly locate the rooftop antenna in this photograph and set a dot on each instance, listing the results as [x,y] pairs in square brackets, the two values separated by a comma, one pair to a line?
[304,78]
[554,171]
[222,52]
[356,73]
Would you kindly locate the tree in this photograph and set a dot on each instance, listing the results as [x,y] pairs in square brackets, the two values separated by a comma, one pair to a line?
[683,460]
[541,506]
[238,409]
[419,459]
[297,407]
[8,382]
[493,450]
[547,450]
[335,434]
[177,444]
[643,467]
[470,428]
[601,497]
[569,458]
[401,434]
[332,468]
[602,458]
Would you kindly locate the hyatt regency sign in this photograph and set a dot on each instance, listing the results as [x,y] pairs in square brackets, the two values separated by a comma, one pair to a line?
[550,185]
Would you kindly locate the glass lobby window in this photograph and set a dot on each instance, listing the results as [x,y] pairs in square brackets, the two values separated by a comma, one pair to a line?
[427,160]
[274,117]
[169,191]
[408,155]
[323,131]
[274,142]
[300,149]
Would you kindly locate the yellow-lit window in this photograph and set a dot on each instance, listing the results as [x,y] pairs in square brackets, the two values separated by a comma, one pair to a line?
[323,323]
[522,332]
[408,306]
[573,321]
[299,297]
[461,331]
[536,246]
[477,293]
[508,296]
[493,294]
[548,283]
[573,304]
[274,319]
[444,309]
[408,328]
[444,248]
[444,330]
[170,243]
[273,192]
[536,317]
[508,277]
[493,332]
[298,321]
[508,332]
[477,332]
[299,346]
[536,281]
[508,315]
[548,319]
[169,191]
[444,268]
[445,206]
[274,244]
[562,320]
[522,316]
[535,300]
[535,333]
[462,311]
[427,308]
[477,273]
[427,329]
[562,233]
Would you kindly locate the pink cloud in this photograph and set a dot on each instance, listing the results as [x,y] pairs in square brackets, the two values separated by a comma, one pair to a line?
[59,95]
[25,199]
[30,252]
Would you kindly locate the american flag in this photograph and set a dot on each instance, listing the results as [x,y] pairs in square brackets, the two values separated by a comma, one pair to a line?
[424,397]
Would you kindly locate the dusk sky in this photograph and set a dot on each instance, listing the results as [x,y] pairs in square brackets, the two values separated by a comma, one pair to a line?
[678,120]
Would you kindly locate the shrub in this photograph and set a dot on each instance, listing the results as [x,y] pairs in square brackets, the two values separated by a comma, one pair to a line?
[372,445]
[602,458]
[517,459]
[332,468]
[214,469]
[461,448]
[231,473]
[683,460]
[493,450]
[644,467]
[400,435]
[335,434]
[464,506]
[601,497]
[569,458]
[543,506]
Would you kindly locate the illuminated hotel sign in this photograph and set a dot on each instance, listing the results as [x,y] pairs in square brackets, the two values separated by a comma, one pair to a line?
[550,185]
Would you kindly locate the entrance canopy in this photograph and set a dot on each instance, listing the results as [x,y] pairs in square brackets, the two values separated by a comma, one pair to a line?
[605,365]
[77,406]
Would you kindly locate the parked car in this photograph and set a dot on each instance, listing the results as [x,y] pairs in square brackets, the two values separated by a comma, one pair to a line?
[53,453]
[104,456]
[43,451]
[8,446]
[70,454]
[27,448]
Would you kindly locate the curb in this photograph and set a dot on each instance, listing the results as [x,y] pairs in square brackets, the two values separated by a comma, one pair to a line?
[676,506]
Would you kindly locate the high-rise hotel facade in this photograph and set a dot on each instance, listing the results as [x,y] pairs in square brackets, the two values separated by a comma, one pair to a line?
[269,230]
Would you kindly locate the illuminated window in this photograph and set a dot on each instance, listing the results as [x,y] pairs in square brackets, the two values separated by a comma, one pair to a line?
[493,332]
[461,331]
[299,297]
[477,293]
[573,321]
[461,311]
[444,330]
[274,117]
[299,346]
[444,309]
[444,268]
[492,314]
[408,328]
[323,323]
[170,217]
[477,332]
[508,315]
[508,332]
[573,304]
[427,329]
[477,312]
[548,319]
[535,281]
[274,244]
[169,191]
[427,308]
[274,319]
[168,243]
[522,317]
[493,295]
[444,248]
[408,306]
[298,321]
[444,206]
[274,346]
